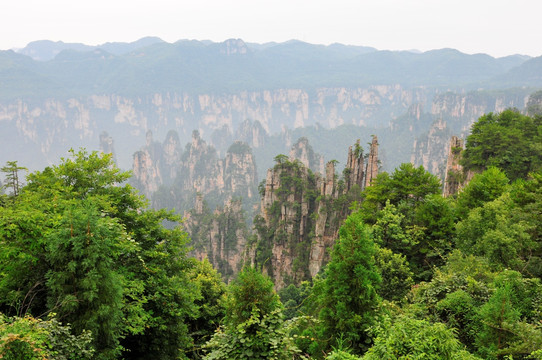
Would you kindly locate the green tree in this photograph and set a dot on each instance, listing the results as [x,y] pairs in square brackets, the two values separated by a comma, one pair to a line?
[406,188]
[12,177]
[484,187]
[281,159]
[80,241]
[454,293]
[210,303]
[346,297]
[412,185]
[253,327]
[293,297]
[507,321]
[407,338]
[492,232]
[395,273]
[424,240]
[30,338]
[507,140]
[527,199]
[84,288]
[437,216]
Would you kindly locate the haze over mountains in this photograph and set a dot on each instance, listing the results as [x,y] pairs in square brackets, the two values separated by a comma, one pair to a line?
[55,95]
[150,64]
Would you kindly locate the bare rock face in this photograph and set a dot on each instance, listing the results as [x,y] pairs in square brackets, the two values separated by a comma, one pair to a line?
[145,172]
[107,144]
[198,169]
[155,163]
[52,125]
[326,223]
[354,165]
[233,46]
[465,108]
[301,215]
[373,164]
[252,133]
[220,236]
[303,152]
[171,152]
[430,149]
[240,174]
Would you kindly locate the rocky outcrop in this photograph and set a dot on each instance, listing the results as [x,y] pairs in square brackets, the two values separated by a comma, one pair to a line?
[461,110]
[156,164]
[373,164]
[301,213]
[252,133]
[303,152]
[240,174]
[147,175]
[430,149]
[220,236]
[456,177]
[354,174]
[53,125]
[233,46]
[198,169]
[107,144]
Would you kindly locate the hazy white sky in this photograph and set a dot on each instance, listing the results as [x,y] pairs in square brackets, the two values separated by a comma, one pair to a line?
[495,27]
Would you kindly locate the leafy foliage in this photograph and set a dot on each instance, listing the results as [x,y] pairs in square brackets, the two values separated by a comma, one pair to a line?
[30,338]
[79,243]
[346,296]
[406,187]
[508,140]
[408,338]
[210,303]
[395,273]
[484,187]
[254,327]
[84,288]
[13,181]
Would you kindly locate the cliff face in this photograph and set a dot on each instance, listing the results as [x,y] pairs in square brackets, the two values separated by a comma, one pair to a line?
[252,133]
[462,110]
[373,163]
[303,152]
[431,148]
[53,125]
[156,164]
[240,174]
[220,236]
[455,176]
[301,215]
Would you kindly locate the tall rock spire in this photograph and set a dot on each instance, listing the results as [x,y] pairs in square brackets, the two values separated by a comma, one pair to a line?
[371,171]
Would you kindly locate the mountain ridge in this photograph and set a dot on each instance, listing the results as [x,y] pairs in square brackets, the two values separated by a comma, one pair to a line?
[152,65]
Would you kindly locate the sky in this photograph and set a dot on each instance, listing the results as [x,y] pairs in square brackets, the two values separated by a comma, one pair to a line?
[495,27]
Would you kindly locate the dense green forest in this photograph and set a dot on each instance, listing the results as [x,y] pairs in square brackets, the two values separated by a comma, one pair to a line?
[89,271]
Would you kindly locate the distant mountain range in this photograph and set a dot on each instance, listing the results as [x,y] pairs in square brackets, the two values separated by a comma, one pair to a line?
[152,65]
